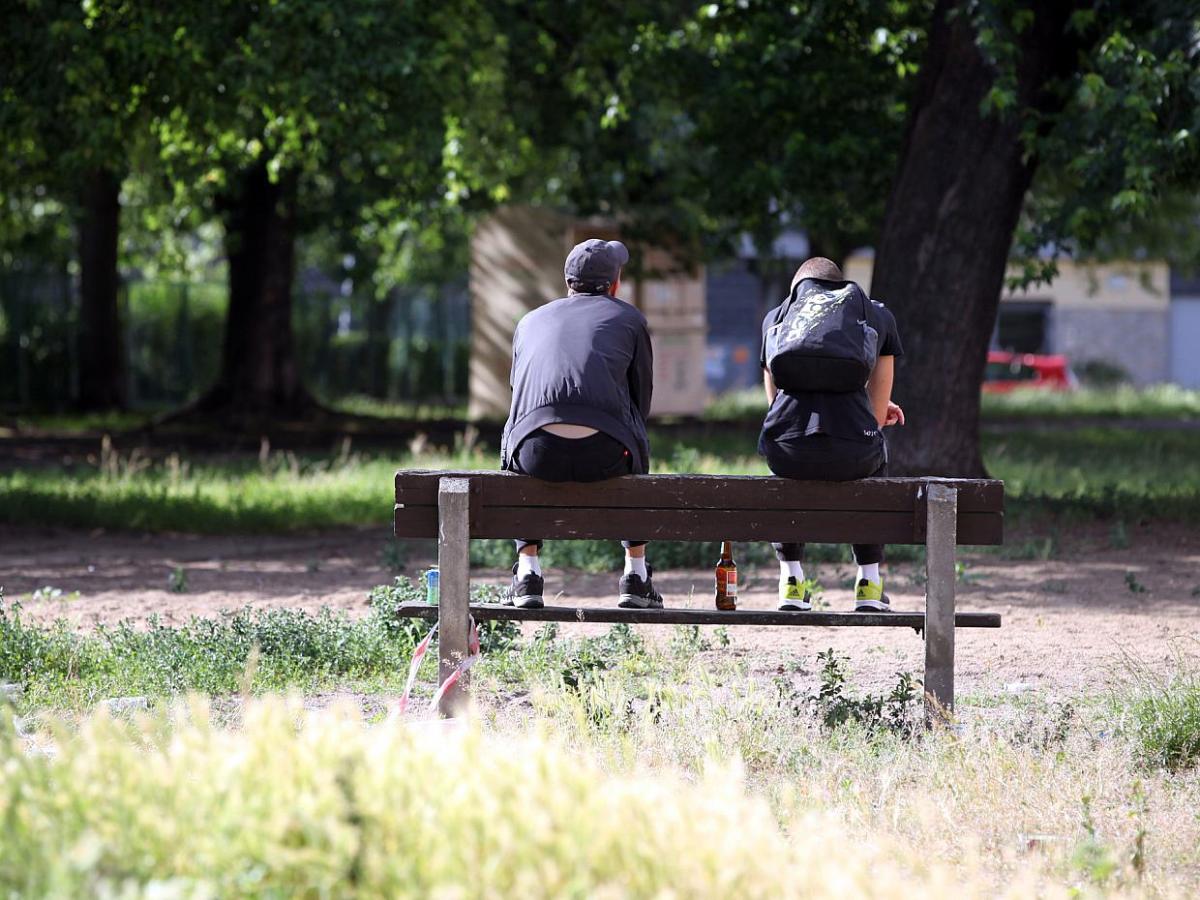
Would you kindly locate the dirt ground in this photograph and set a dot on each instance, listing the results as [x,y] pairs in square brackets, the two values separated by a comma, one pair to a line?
[1069,623]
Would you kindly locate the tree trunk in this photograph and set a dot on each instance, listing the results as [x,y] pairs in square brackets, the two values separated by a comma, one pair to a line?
[101,361]
[949,224]
[259,378]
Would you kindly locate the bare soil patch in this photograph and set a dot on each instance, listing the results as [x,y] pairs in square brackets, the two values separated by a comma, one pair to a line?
[1069,622]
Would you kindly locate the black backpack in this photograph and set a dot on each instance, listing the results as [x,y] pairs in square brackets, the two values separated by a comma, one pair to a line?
[822,339]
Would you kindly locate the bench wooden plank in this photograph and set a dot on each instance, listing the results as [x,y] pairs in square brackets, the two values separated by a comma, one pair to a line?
[723,492]
[680,616]
[864,527]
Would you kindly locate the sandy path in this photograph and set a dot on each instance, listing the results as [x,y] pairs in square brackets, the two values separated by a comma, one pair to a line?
[1068,622]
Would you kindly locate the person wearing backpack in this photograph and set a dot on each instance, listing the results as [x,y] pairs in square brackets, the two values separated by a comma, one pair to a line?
[828,355]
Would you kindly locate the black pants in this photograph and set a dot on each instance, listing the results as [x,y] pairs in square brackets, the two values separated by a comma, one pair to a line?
[551,457]
[822,457]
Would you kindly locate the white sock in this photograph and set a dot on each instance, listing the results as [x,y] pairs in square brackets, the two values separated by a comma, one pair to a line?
[635,565]
[528,565]
[791,569]
[871,573]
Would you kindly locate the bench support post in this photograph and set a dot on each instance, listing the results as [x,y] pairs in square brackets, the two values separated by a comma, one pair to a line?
[942,517]
[454,616]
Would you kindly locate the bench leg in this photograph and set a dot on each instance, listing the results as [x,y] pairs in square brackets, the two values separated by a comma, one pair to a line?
[940,541]
[454,615]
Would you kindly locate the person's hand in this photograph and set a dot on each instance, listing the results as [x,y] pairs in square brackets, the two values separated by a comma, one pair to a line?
[895,415]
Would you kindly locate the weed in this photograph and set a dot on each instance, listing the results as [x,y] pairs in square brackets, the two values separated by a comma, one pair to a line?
[816,593]
[963,573]
[52,593]
[586,659]
[1091,857]
[1135,586]
[688,640]
[177,580]
[836,706]
[1160,715]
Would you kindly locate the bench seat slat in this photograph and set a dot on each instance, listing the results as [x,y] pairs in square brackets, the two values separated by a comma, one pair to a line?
[700,492]
[873,527]
[679,616]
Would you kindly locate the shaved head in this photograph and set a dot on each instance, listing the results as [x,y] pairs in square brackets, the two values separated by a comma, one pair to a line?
[818,267]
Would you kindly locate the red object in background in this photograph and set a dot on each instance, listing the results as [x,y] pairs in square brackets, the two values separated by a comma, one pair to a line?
[1008,371]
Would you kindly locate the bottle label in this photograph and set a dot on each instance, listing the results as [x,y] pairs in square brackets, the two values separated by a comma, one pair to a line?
[727,583]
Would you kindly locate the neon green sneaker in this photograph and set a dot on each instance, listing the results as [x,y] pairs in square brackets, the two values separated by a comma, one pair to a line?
[794,597]
[869,597]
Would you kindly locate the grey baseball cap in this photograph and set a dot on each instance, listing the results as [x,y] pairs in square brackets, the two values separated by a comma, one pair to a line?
[595,263]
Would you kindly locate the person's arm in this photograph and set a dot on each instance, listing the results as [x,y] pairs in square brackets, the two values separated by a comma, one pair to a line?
[769,386]
[641,373]
[879,389]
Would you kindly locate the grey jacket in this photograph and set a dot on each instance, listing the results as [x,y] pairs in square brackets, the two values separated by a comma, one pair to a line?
[583,360]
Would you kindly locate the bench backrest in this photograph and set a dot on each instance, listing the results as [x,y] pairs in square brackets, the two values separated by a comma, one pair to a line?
[701,508]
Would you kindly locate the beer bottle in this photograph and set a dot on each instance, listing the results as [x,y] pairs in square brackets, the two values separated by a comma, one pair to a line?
[727,585]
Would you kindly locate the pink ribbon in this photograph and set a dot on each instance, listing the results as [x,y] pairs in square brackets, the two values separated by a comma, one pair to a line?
[462,668]
[418,656]
[454,677]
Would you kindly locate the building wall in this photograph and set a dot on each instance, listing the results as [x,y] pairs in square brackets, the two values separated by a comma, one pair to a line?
[511,273]
[517,257]
[1134,340]
[1185,341]
[1118,313]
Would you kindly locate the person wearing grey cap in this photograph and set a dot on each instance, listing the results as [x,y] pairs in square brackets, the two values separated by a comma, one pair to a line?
[582,378]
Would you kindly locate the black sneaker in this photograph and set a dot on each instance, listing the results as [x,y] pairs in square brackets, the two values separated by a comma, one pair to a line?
[525,592]
[639,594]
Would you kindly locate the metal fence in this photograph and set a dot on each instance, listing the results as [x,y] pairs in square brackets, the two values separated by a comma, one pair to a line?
[410,345]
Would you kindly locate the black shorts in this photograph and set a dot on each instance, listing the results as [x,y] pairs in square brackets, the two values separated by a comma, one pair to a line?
[552,457]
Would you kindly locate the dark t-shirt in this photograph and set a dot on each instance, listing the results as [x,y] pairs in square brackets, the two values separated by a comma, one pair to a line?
[845,415]
[587,360]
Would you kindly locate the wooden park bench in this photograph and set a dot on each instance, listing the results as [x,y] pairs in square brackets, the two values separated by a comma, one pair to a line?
[455,507]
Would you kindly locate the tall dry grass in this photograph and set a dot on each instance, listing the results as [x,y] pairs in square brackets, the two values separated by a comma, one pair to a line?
[722,794]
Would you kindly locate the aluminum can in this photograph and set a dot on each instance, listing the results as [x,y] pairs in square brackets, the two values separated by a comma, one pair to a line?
[433,583]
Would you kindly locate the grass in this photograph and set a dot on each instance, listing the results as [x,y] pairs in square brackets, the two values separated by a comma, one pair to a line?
[361,405]
[1107,472]
[1164,401]
[590,764]
[118,809]
[627,771]
[250,649]
[1161,714]
[1125,474]
[73,423]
